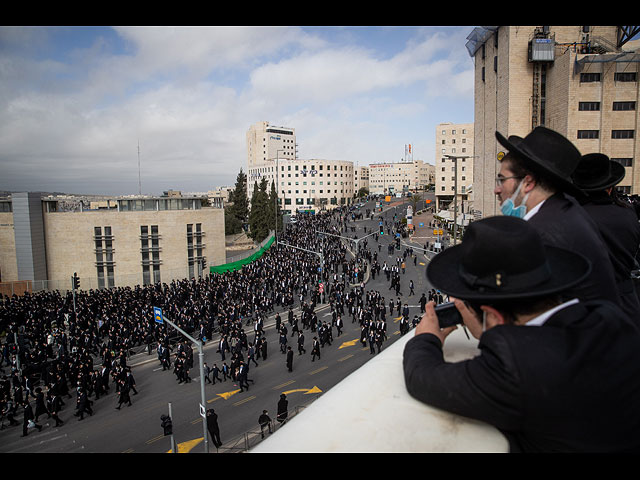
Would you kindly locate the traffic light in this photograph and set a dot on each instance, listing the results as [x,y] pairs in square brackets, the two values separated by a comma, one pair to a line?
[397,243]
[76,281]
[166,424]
[381,229]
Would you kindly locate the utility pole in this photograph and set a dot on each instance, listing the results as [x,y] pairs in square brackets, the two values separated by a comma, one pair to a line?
[160,318]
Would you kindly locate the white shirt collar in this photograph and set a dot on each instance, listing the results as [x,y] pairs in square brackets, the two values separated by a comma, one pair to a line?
[533,211]
[541,319]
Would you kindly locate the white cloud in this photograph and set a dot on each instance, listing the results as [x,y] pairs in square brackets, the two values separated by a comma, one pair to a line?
[188,95]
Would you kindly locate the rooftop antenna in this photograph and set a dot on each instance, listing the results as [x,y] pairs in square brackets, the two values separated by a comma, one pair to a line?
[139,184]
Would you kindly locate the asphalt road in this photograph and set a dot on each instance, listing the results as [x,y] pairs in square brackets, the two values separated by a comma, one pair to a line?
[136,428]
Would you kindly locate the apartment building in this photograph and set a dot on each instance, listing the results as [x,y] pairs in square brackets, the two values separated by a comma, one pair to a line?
[360,178]
[581,81]
[398,177]
[454,164]
[133,241]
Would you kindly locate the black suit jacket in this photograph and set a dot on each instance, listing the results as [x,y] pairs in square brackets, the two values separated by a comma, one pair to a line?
[620,231]
[562,222]
[572,384]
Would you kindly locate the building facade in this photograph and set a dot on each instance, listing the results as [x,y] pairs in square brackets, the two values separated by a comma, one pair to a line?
[581,81]
[454,164]
[137,242]
[267,142]
[398,177]
[360,178]
[302,185]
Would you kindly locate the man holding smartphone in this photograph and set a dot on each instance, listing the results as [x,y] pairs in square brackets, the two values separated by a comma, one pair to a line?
[553,373]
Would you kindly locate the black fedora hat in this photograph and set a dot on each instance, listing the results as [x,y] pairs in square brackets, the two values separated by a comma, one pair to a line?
[547,153]
[597,172]
[504,258]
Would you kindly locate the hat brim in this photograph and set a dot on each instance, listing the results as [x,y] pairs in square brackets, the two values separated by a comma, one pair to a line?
[567,269]
[539,166]
[616,176]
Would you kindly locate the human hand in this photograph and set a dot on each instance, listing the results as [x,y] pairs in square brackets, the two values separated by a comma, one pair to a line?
[429,324]
[469,317]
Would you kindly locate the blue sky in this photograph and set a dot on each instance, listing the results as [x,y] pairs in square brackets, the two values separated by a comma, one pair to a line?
[76,101]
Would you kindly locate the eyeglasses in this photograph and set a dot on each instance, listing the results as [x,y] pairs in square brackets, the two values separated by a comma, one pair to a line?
[500,180]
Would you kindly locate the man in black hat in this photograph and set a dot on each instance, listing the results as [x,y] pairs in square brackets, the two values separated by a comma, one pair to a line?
[534,183]
[551,375]
[597,176]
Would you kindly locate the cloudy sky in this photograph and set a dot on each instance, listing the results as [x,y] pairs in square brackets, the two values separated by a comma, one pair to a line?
[75,102]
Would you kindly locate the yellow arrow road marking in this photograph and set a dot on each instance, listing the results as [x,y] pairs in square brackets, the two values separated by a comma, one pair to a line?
[350,343]
[226,395]
[306,390]
[186,447]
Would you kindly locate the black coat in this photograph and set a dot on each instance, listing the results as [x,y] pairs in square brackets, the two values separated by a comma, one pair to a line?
[572,384]
[562,222]
[620,231]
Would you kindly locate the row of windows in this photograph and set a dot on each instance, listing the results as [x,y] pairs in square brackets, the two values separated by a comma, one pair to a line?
[589,77]
[617,134]
[320,191]
[462,188]
[150,253]
[454,178]
[617,106]
[321,201]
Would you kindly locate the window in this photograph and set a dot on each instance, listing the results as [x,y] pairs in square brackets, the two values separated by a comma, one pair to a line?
[625,162]
[150,251]
[622,133]
[104,256]
[196,261]
[625,76]
[623,106]
[583,134]
[589,77]
[589,106]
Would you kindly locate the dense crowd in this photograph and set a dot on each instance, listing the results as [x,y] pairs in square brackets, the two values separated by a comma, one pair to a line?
[81,345]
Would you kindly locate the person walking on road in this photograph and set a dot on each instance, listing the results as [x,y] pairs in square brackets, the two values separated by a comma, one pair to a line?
[28,419]
[265,422]
[283,409]
[213,428]
[289,359]
[315,350]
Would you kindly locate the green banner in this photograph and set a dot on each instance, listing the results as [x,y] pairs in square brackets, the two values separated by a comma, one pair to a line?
[238,264]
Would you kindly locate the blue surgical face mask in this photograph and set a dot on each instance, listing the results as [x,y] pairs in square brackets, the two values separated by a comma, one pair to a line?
[508,206]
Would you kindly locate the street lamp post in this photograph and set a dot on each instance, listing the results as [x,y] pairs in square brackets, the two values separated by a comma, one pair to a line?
[275,200]
[455,194]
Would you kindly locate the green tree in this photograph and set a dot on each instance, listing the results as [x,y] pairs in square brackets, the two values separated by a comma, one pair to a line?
[235,215]
[276,211]
[363,192]
[259,224]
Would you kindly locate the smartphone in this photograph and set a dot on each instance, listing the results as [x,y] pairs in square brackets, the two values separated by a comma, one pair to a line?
[448,315]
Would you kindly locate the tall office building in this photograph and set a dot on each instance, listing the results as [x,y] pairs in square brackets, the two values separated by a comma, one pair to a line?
[454,164]
[268,142]
[302,185]
[581,81]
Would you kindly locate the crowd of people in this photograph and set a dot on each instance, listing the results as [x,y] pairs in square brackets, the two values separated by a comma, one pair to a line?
[80,346]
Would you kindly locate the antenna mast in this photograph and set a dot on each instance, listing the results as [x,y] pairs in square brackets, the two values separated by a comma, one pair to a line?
[139,183]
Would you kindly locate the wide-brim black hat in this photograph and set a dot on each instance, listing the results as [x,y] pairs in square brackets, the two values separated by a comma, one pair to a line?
[597,172]
[504,258]
[548,153]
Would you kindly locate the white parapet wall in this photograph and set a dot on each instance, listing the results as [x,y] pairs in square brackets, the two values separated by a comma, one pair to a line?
[370,411]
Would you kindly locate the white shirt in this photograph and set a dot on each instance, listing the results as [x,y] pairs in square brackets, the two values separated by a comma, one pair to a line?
[533,211]
[541,319]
